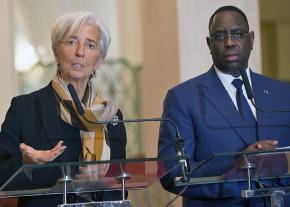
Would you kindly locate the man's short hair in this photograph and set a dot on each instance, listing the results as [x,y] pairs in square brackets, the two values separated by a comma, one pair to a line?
[228,8]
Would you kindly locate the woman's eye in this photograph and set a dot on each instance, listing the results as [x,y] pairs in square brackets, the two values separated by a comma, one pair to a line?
[91,45]
[71,42]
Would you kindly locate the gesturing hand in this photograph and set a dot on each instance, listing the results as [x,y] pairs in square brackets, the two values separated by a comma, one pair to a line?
[31,155]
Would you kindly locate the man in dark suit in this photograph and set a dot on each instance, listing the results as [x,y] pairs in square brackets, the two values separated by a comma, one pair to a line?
[208,111]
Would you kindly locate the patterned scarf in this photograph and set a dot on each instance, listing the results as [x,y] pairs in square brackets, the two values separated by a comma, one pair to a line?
[94,146]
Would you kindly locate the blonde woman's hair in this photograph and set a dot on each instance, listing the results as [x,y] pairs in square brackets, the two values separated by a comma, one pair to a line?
[66,25]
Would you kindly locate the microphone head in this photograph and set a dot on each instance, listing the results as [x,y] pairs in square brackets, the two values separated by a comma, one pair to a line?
[75,98]
[246,82]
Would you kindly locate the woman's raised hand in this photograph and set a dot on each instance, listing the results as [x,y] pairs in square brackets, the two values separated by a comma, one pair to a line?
[31,155]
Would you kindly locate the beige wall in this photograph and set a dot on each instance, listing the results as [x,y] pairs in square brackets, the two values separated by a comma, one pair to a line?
[130,30]
[275,19]
[160,61]
[160,72]
[283,50]
[269,49]
[8,81]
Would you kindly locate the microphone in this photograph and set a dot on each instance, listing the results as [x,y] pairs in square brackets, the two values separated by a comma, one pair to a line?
[250,95]
[75,99]
[247,85]
[185,166]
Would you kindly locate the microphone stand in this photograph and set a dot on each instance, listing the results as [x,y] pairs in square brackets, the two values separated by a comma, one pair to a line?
[185,164]
[250,95]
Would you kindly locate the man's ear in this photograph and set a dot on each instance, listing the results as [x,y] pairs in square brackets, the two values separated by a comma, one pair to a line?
[252,37]
[208,44]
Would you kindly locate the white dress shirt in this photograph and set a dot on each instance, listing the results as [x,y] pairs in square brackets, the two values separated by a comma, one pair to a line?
[227,79]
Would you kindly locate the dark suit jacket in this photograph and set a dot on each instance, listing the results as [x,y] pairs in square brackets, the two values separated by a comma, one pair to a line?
[210,123]
[33,119]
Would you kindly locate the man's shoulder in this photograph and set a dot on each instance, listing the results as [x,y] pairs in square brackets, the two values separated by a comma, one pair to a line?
[269,81]
[192,82]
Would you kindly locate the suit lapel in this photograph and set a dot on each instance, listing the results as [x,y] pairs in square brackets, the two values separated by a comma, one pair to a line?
[48,113]
[217,95]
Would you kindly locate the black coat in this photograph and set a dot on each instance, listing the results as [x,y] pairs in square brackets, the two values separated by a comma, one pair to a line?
[33,119]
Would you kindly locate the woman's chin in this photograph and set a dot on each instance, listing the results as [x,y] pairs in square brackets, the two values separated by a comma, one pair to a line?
[77,80]
[78,77]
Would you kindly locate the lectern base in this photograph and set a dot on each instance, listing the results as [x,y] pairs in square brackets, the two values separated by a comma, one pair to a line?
[124,203]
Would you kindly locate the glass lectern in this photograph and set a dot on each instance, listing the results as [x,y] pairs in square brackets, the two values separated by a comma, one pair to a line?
[264,173]
[81,178]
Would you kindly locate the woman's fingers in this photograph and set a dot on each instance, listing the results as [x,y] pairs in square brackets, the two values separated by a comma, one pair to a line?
[30,155]
[59,148]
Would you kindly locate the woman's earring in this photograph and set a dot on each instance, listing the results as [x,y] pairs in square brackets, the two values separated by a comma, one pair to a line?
[58,68]
[94,74]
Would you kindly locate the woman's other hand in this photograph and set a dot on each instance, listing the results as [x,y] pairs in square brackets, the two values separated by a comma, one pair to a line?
[92,172]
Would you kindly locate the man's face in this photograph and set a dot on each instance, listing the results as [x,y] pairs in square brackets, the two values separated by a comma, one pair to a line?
[229,53]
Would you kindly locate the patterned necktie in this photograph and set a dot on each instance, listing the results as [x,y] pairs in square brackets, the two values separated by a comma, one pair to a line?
[243,106]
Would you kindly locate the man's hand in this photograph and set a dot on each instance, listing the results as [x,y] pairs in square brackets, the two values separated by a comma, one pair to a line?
[262,145]
[31,155]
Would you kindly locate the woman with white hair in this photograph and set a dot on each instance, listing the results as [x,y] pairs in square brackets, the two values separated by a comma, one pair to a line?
[45,126]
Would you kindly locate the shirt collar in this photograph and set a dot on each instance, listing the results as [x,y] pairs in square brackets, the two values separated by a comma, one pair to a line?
[227,78]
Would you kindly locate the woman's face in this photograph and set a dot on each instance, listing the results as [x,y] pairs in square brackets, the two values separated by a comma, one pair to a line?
[79,55]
